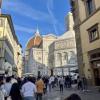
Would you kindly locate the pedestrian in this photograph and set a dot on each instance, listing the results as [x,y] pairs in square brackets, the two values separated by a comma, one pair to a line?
[84,84]
[50,84]
[1,90]
[45,80]
[73,97]
[61,84]
[46,84]
[40,88]
[13,79]
[28,89]
[67,81]
[15,92]
[7,86]
[79,83]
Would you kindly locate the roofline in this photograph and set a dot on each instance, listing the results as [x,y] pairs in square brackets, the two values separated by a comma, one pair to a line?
[11,26]
[50,35]
[28,41]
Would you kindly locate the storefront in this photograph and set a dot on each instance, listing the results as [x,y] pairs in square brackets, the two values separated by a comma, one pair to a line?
[95,64]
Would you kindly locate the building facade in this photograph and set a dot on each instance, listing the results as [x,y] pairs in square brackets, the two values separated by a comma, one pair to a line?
[87,28]
[36,54]
[10,48]
[62,52]
[49,53]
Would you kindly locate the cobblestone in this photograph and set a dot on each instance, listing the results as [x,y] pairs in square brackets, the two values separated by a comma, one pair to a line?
[56,95]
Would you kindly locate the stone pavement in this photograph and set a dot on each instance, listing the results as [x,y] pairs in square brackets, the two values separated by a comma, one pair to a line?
[56,95]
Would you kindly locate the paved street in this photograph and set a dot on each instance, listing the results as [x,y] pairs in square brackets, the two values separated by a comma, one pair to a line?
[56,95]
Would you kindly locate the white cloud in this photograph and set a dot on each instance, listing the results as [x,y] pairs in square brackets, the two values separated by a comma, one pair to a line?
[25,10]
[50,8]
[24,29]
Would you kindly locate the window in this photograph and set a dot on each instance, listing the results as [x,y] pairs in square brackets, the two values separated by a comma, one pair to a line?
[90,7]
[72,53]
[59,58]
[39,58]
[65,56]
[93,33]
[95,55]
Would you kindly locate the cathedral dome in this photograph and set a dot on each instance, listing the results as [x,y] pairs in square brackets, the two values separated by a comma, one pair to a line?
[35,41]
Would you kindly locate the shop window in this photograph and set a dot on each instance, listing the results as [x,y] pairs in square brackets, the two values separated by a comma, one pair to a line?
[93,33]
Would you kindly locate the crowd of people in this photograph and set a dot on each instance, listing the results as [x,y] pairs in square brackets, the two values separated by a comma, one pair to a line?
[31,88]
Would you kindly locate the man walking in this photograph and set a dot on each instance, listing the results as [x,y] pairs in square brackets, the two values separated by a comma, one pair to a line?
[1,90]
[61,84]
[29,90]
[40,87]
[7,86]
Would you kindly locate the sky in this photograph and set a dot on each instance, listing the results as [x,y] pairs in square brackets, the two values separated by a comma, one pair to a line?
[27,15]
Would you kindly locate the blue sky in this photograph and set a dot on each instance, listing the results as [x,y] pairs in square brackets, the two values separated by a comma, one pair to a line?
[48,15]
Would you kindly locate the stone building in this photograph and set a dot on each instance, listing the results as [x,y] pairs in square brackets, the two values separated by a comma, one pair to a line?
[49,52]
[62,52]
[87,28]
[36,54]
[10,48]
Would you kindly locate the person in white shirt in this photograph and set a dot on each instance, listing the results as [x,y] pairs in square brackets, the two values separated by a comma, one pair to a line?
[61,84]
[13,80]
[7,86]
[51,80]
[1,90]
[29,90]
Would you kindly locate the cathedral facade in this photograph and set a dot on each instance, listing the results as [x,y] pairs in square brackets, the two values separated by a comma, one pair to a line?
[36,54]
[62,52]
[50,52]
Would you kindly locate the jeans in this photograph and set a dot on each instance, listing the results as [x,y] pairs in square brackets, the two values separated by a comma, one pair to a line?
[61,87]
[29,98]
[39,96]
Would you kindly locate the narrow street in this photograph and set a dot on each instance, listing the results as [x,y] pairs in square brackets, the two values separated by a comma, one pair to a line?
[50,46]
[56,95]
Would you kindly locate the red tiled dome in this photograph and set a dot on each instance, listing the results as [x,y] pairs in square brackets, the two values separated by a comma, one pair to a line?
[34,42]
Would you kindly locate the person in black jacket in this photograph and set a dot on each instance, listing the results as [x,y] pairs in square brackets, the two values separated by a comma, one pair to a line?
[15,92]
[73,97]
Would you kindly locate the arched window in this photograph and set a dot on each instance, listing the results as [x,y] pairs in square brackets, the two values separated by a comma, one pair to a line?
[72,53]
[65,58]
[72,57]
[59,58]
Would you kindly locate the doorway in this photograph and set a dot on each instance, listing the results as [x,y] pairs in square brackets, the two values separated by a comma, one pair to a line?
[97,76]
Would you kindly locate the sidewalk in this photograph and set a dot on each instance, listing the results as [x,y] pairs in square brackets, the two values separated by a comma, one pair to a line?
[91,89]
[94,89]
[55,94]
